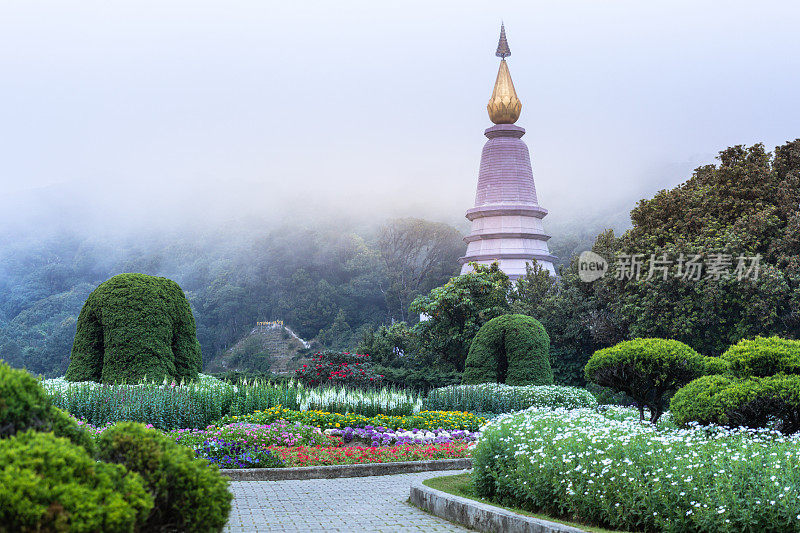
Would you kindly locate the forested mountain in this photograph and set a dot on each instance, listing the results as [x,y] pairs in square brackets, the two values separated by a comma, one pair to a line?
[325,282]
[329,281]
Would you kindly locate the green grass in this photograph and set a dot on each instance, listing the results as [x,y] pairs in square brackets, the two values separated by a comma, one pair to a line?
[459,485]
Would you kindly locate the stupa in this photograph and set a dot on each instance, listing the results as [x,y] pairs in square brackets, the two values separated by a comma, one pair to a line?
[507,217]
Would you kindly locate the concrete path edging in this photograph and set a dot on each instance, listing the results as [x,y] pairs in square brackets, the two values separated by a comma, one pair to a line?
[335,471]
[480,516]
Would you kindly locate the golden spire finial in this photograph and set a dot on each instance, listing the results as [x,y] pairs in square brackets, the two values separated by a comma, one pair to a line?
[504,107]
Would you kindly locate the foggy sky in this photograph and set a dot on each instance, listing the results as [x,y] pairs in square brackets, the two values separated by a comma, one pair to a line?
[163,112]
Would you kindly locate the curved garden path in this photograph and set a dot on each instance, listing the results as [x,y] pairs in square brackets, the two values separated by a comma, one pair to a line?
[376,503]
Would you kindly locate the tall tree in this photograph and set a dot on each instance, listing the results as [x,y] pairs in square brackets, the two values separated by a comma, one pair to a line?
[746,206]
[456,311]
[580,317]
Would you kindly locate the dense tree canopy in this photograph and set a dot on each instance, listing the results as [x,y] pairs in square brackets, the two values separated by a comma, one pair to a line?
[416,256]
[338,284]
[747,205]
[329,282]
[456,311]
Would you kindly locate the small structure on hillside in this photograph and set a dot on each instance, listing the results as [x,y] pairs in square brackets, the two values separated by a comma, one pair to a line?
[507,218]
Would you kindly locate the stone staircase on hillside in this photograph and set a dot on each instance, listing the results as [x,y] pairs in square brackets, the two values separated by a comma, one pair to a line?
[282,344]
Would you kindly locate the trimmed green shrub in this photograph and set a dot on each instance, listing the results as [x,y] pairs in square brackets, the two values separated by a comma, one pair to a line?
[23,403]
[646,370]
[715,365]
[497,398]
[709,399]
[188,493]
[49,484]
[134,326]
[511,349]
[763,356]
[65,426]
[753,403]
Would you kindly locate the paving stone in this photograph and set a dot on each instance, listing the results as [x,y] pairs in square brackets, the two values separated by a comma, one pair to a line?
[374,504]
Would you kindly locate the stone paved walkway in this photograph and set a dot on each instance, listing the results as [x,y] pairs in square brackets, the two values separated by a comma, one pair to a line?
[347,504]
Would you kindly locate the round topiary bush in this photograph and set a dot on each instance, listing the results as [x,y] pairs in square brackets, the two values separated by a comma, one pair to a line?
[731,402]
[511,349]
[763,356]
[134,326]
[709,399]
[49,484]
[23,402]
[646,370]
[189,494]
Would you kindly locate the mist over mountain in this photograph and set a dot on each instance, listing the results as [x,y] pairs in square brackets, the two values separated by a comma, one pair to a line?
[254,152]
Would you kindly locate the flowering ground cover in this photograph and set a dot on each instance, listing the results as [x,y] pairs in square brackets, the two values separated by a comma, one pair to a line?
[282,444]
[279,433]
[319,456]
[609,469]
[427,420]
[292,444]
[381,436]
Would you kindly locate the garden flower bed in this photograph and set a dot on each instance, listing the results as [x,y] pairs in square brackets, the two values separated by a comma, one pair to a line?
[381,436]
[281,443]
[320,456]
[199,403]
[284,444]
[609,469]
[279,433]
[424,420]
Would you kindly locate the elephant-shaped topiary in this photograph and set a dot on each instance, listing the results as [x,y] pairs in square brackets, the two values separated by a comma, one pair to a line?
[134,326]
[510,349]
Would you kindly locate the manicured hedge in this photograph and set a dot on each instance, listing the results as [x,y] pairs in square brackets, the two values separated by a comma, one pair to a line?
[646,370]
[760,388]
[23,403]
[731,402]
[188,493]
[716,365]
[53,483]
[511,349]
[496,398]
[65,426]
[134,326]
[762,357]
[50,484]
